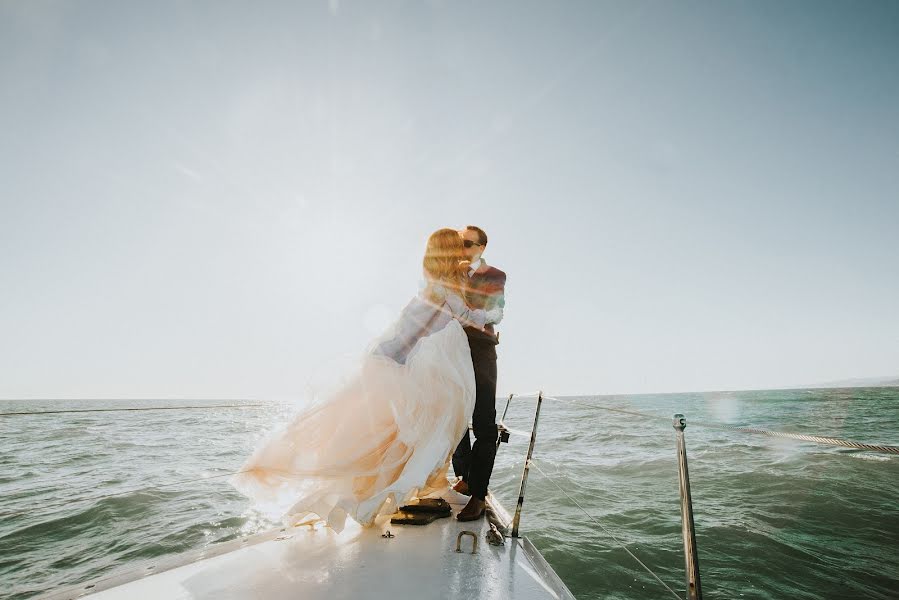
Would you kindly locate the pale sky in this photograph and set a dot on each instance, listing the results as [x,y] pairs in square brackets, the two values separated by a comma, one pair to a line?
[217,199]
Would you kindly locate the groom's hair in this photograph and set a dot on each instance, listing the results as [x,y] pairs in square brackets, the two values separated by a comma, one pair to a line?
[482,237]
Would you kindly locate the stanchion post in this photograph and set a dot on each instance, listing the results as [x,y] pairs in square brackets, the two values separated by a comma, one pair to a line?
[527,466]
[691,560]
[503,434]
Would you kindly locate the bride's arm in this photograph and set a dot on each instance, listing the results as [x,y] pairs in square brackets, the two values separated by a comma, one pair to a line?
[472,317]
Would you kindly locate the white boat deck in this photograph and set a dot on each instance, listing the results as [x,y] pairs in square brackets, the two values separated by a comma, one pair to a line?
[314,562]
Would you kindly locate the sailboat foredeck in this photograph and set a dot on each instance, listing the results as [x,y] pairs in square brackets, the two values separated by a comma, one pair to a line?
[314,562]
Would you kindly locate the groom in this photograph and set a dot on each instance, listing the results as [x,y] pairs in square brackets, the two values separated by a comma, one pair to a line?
[474,463]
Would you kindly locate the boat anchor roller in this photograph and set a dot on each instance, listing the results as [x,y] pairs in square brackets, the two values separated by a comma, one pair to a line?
[474,537]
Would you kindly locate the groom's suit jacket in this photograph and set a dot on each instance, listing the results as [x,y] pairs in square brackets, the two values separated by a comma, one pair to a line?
[486,290]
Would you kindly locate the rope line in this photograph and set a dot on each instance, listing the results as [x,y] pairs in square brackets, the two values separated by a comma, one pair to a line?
[609,533]
[92,410]
[817,439]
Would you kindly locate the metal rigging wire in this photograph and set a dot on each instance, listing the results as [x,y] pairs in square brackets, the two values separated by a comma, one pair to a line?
[609,533]
[117,494]
[92,410]
[817,439]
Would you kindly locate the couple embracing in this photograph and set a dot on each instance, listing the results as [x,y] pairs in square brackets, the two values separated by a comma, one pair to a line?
[390,430]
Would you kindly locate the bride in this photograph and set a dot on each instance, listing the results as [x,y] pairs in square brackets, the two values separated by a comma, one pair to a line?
[386,434]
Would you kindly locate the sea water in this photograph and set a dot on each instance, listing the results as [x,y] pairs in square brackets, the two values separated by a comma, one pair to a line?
[83,494]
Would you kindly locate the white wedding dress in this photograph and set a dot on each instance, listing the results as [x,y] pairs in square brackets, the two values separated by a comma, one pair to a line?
[384,435]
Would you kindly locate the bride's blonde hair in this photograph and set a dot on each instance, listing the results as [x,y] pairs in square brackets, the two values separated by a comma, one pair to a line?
[444,259]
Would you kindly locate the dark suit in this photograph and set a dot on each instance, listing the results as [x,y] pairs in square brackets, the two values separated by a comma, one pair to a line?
[474,463]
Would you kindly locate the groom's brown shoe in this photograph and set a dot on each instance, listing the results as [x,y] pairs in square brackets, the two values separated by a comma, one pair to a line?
[473,511]
[462,487]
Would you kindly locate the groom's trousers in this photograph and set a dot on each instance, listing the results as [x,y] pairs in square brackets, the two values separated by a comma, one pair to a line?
[474,463]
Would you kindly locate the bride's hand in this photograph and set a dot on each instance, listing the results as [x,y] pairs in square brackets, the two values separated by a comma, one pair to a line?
[494,315]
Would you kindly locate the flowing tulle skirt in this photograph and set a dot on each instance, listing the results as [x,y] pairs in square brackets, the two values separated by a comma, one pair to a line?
[382,437]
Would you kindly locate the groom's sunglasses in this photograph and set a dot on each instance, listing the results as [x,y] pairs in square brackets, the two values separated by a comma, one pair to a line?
[469,243]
